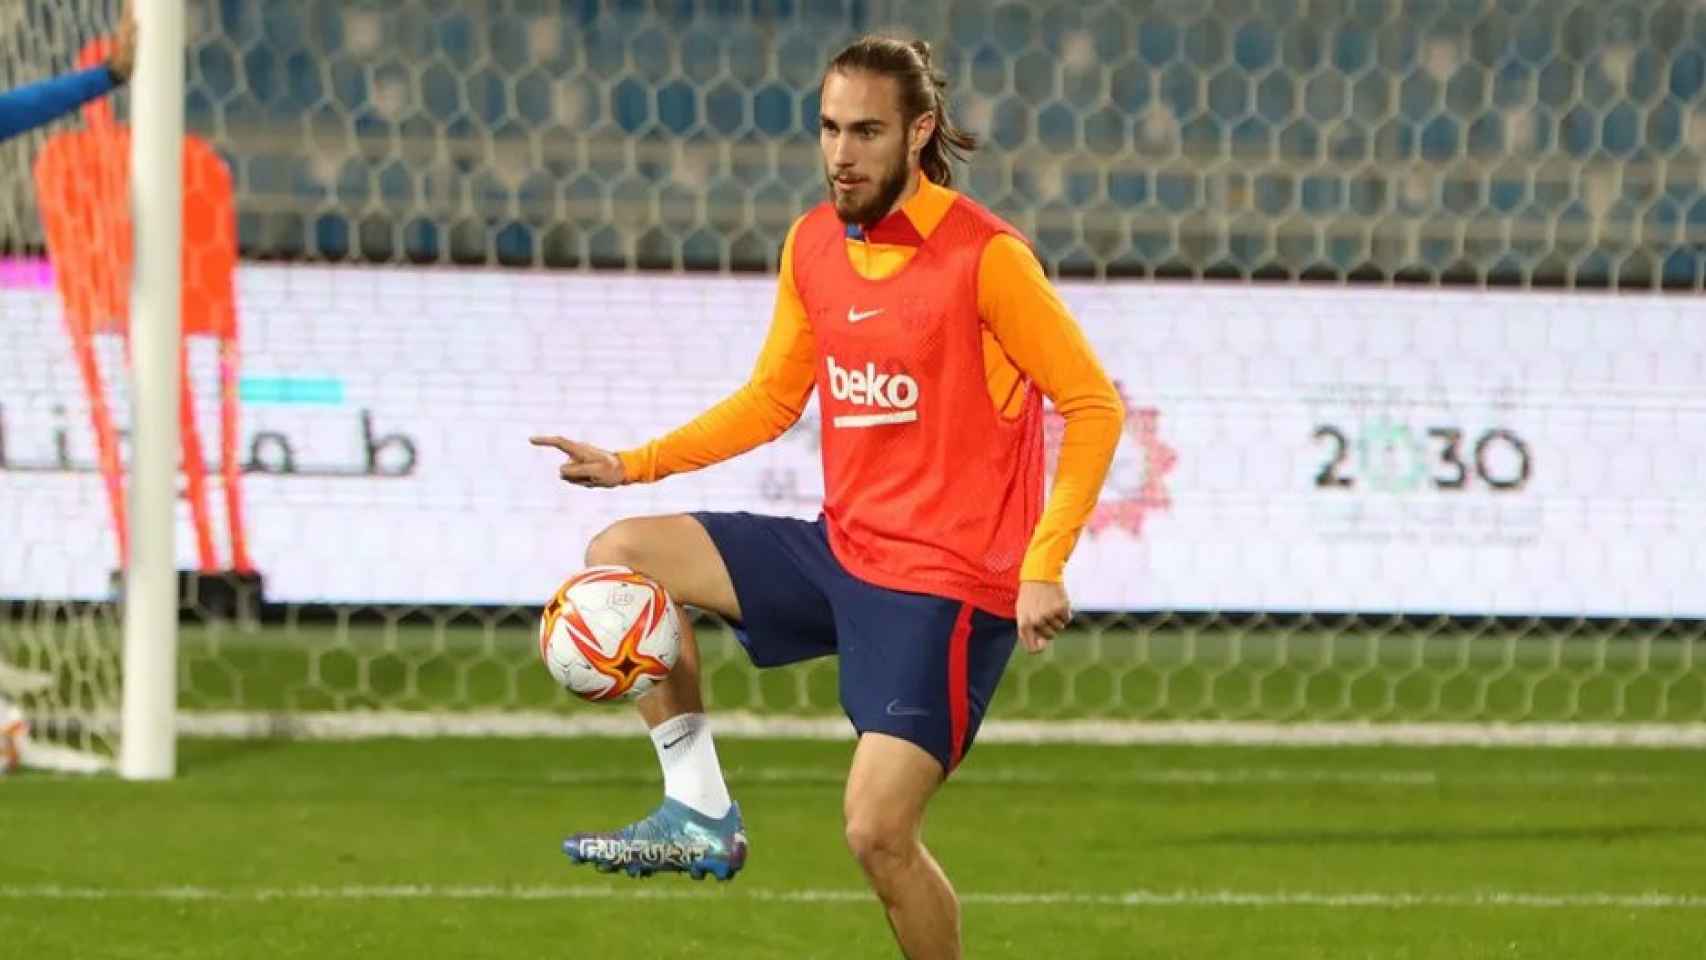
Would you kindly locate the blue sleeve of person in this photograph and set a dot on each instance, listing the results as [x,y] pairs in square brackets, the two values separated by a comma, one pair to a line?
[32,105]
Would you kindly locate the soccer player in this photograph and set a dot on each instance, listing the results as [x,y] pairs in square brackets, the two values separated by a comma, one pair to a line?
[27,107]
[930,333]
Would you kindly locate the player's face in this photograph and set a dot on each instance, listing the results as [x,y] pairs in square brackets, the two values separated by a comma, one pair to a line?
[868,155]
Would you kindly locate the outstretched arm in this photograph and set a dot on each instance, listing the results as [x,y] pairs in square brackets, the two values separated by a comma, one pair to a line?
[32,105]
[761,410]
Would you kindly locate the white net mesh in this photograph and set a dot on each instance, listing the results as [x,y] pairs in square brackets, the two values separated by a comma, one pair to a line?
[1536,141]
[1333,503]
[58,660]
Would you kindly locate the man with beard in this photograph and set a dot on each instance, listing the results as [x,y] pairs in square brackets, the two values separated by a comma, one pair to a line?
[930,333]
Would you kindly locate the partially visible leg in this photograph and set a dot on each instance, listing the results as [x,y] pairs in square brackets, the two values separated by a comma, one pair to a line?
[678,553]
[888,788]
[698,828]
[778,563]
[13,729]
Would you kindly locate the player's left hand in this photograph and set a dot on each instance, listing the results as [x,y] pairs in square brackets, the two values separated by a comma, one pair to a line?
[1044,611]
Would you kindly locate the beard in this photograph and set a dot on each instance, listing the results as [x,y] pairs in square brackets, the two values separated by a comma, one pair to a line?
[885,189]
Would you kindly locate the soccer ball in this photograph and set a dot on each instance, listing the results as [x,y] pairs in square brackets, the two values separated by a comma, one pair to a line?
[608,633]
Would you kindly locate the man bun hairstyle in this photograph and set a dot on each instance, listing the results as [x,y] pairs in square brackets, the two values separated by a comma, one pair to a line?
[922,90]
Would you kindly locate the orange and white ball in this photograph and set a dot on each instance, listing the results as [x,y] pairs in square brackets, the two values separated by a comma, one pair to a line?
[609,633]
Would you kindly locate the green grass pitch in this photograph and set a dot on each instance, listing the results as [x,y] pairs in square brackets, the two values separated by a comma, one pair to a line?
[449,848]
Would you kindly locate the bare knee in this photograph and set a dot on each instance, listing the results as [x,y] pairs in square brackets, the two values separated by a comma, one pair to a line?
[677,552]
[622,543]
[881,843]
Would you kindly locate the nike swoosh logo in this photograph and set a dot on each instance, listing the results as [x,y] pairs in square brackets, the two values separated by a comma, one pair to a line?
[677,740]
[894,709]
[854,316]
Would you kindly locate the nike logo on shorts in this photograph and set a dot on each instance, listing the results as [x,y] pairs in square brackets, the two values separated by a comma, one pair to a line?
[894,709]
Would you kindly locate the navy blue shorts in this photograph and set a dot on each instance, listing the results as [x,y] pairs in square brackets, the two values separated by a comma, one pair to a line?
[913,666]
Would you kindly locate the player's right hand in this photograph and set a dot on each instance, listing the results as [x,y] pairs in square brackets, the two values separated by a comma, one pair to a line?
[1043,610]
[587,466]
[123,59]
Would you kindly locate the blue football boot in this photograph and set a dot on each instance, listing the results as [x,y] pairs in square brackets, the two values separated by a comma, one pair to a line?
[675,839]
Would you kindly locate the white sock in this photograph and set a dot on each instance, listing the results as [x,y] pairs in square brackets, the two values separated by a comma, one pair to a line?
[691,773]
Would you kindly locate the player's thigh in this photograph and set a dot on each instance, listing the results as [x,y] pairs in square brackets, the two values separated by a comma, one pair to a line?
[919,668]
[675,551]
[888,787]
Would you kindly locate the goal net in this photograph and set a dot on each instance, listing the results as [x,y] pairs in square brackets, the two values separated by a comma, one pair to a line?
[69,267]
[1402,299]
[58,656]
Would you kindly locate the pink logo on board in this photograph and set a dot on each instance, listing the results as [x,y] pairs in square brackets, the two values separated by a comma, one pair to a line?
[1137,480]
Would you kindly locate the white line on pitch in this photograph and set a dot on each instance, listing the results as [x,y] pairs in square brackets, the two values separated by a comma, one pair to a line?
[1160,776]
[365,725]
[1132,898]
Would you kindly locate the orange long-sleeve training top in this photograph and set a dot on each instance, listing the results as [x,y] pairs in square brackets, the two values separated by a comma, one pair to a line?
[1028,332]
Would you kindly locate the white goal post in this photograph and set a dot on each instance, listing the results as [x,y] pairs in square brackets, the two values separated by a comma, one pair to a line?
[148,740]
